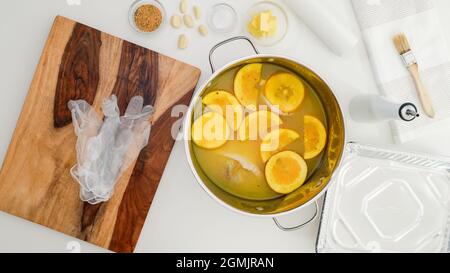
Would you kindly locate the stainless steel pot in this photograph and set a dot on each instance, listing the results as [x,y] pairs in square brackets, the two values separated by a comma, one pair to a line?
[316,186]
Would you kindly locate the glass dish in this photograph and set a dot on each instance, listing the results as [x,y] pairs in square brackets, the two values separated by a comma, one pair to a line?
[387,201]
[282,22]
[136,4]
[224,14]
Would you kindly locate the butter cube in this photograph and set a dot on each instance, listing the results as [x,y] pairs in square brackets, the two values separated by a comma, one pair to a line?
[263,24]
[264,21]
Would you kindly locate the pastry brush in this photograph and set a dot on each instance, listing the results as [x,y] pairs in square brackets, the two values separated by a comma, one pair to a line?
[404,49]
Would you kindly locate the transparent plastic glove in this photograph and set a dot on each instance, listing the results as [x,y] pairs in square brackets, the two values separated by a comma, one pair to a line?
[105,149]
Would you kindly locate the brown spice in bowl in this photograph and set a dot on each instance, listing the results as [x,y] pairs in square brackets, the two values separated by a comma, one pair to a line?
[148,18]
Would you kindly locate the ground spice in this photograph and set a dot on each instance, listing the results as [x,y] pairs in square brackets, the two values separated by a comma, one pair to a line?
[148,18]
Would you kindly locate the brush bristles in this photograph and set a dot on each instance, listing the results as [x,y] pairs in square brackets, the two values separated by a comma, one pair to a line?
[401,44]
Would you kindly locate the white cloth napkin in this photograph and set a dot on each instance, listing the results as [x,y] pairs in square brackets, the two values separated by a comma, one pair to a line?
[380,21]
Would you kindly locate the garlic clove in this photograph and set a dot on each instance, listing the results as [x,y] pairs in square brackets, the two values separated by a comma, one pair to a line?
[175,21]
[197,12]
[203,30]
[188,21]
[184,6]
[183,41]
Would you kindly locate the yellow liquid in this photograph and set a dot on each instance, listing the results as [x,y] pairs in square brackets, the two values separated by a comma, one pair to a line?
[237,166]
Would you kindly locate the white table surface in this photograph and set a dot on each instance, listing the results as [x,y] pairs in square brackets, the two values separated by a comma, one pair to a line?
[182,218]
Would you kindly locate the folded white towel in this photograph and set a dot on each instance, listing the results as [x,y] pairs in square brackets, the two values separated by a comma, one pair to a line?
[380,21]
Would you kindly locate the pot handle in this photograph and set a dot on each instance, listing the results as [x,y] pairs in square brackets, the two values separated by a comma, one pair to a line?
[211,53]
[288,229]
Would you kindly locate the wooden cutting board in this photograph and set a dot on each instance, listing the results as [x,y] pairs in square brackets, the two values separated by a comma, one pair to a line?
[80,62]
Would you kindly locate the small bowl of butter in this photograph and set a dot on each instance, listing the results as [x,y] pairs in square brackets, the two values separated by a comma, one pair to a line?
[266,23]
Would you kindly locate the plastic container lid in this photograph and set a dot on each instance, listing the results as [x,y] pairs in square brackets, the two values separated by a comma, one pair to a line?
[387,201]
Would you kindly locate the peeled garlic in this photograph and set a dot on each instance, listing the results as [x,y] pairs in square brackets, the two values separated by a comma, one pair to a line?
[197,12]
[182,42]
[188,21]
[183,6]
[203,30]
[175,21]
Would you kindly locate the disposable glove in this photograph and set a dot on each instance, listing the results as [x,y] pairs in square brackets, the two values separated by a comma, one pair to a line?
[106,148]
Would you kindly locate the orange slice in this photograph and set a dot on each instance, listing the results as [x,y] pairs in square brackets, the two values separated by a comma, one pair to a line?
[315,136]
[246,85]
[258,124]
[275,141]
[210,131]
[285,91]
[286,172]
[227,105]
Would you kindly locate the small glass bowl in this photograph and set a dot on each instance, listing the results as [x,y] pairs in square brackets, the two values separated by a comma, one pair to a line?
[223,8]
[279,12]
[136,4]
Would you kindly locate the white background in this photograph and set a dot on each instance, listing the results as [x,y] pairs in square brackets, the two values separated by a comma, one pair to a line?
[183,218]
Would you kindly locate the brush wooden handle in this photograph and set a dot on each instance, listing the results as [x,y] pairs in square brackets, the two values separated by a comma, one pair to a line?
[424,96]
